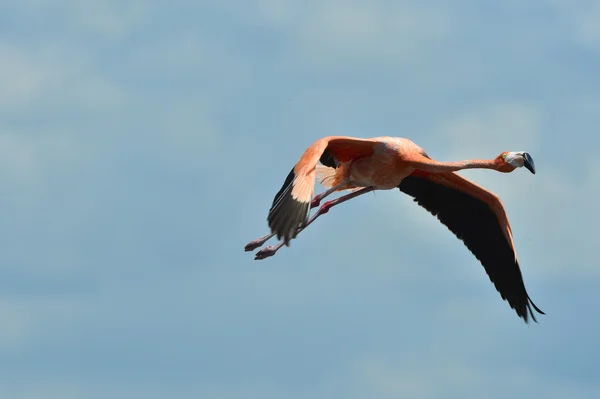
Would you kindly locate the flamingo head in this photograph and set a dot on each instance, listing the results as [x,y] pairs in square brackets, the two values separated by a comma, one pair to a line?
[516,159]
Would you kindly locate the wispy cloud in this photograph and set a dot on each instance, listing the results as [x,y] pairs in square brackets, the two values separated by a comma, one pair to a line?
[337,31]
[453,377]
[141,144]
[581,17]
[108,20]
[486,130]
[53,78]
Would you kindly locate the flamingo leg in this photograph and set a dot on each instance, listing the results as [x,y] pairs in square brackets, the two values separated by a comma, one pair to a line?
[272,249]
[317,199]
[252,245]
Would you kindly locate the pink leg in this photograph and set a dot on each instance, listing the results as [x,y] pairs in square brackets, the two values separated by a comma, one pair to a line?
[272,249]
[317,199]
[252,245]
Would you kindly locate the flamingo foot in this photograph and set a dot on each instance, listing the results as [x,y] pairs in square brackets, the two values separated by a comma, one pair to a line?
[266,252]
[252,245]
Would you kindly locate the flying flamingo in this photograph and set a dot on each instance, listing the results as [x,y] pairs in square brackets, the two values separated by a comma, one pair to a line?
[475,215]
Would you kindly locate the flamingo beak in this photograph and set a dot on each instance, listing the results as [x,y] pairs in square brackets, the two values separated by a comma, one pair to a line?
[528,162]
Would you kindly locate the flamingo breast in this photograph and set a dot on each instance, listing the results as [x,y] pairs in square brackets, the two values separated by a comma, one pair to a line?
[384,169]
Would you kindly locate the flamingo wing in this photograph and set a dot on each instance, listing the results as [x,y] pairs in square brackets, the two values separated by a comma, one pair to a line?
[291,204]
[477,217]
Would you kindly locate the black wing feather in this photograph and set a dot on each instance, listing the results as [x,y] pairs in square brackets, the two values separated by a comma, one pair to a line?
[327,159]
[476,224]
[287,213]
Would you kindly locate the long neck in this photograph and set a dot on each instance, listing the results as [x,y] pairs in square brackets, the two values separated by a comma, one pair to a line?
[429,165]
[478,164]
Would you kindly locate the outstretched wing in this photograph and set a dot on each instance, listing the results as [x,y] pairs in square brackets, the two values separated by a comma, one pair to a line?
[291,204]
[477,217]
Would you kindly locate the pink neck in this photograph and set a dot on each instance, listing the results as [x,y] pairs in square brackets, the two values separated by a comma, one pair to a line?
[479,164]
[429,165]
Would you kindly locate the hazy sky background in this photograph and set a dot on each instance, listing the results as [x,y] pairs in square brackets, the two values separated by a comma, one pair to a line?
[141,144]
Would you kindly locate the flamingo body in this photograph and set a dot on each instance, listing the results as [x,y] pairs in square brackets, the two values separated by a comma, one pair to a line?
[475,215]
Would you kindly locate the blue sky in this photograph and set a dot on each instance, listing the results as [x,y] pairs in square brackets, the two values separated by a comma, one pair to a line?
[141,144]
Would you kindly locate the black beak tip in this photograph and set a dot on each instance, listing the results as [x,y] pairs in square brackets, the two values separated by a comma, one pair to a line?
[528,162]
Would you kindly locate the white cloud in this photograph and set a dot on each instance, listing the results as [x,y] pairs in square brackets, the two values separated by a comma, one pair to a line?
[277,12]
[449,376]
[33,388]
[325,33]
[387,382]
[53,77]
[25,320]
[583,19]
[22,80]
[485,131]
[356,31]
[559,217]
[25,158]
[17,157]
[188,137]
[17,328]
[107,19]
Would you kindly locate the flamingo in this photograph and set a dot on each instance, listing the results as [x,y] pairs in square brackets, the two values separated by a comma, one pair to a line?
[361,165]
